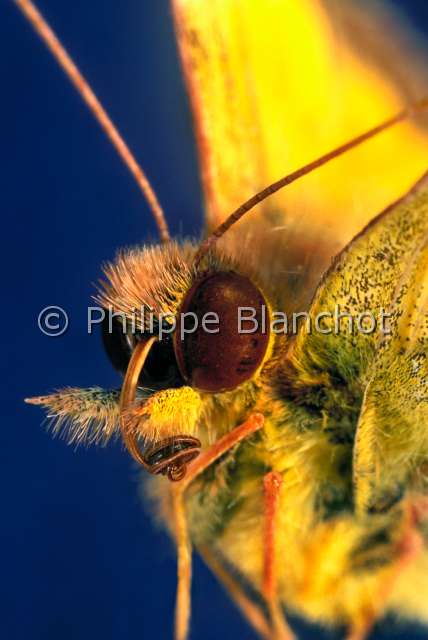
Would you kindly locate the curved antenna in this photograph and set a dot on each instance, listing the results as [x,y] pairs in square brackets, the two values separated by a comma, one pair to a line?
[315,164]
[72,72]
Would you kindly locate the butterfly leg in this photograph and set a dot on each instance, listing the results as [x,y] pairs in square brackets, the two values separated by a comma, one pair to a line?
[272,486]
[409,546]
[250,611]
[184,552]
[184,568]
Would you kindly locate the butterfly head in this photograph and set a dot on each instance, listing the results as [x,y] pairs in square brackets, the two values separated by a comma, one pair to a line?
[189,341]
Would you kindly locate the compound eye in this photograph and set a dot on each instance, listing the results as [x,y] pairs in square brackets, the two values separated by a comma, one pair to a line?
[160,368]
[118,343]
[221,361]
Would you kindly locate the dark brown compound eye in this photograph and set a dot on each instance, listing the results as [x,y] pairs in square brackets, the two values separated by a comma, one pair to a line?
[221,361]
[160,368]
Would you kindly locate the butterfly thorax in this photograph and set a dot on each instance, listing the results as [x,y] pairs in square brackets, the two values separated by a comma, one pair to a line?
[309,438]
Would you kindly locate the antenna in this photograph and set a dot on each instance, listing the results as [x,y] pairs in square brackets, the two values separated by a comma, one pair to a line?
[72,72]
[283,182]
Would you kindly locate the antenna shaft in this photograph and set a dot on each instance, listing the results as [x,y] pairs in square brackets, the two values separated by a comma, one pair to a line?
[286,180]
[72,72]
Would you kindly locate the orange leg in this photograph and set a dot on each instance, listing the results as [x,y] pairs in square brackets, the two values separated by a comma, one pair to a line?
[184,555]
[184,568]
[272,486]
[250,611]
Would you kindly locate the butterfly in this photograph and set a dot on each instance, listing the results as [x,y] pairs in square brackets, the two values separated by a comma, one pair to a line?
[295,464]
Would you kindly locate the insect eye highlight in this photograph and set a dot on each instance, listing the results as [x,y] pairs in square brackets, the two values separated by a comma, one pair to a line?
[221,361]
[160,369]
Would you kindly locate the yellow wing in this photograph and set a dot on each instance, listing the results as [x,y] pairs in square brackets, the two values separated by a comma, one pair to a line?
[382,362]
[391,450]
[274,84]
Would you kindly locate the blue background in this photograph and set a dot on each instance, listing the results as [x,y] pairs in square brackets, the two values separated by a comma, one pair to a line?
[80,556]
